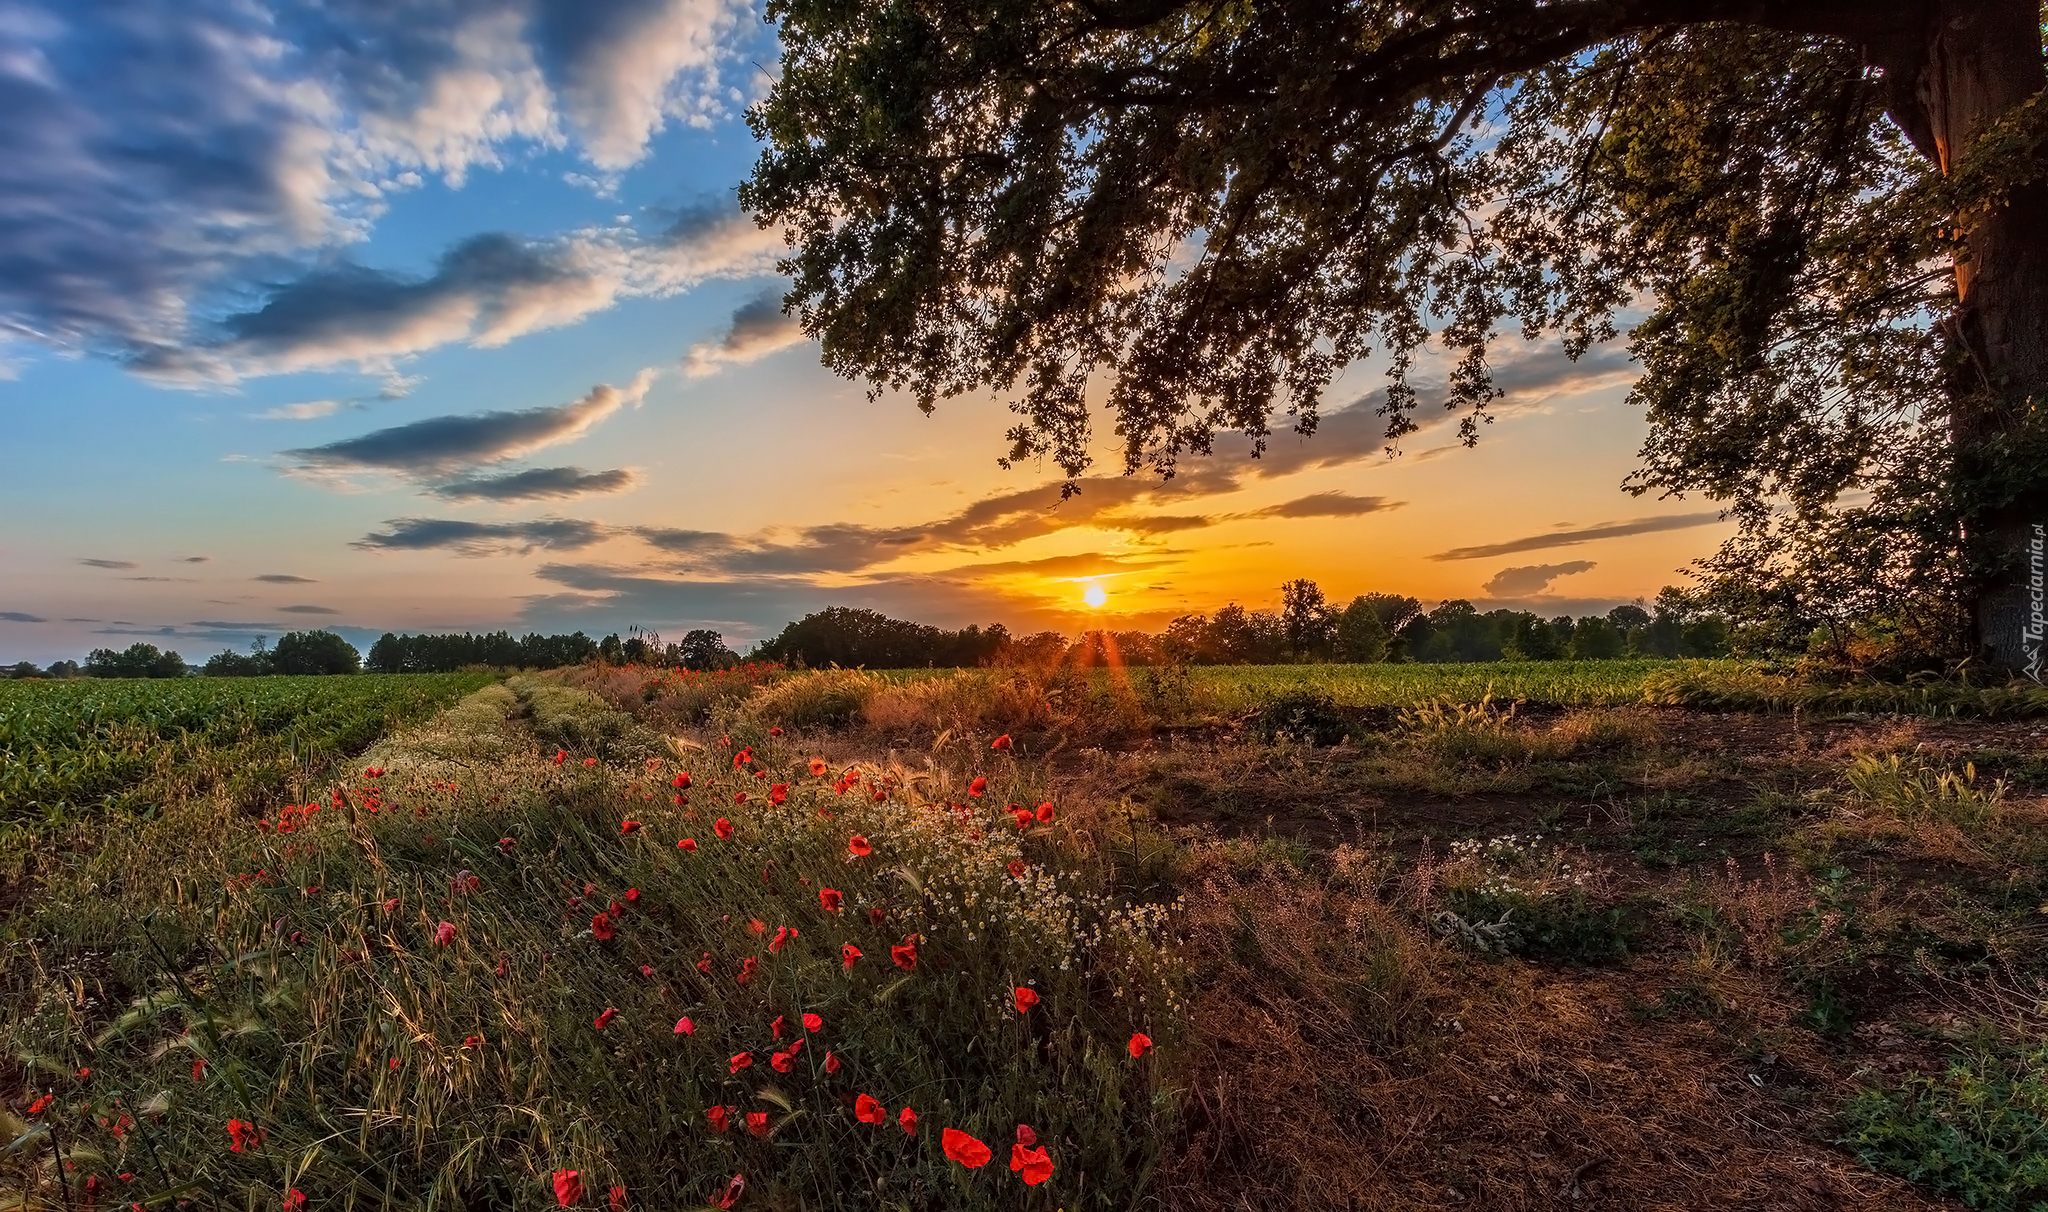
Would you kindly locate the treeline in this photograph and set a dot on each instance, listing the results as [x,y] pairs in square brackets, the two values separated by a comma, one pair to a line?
[699,649]
[844,636]
[297,652]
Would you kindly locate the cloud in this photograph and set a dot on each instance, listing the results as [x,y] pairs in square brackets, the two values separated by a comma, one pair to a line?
[310,410]
[1334,504]
[1533,579]
[186,580]
[441,446]
[758,329]
[284,578]
[108,563]
[541,483]
[1572,538]
[485,538]
[196,560]
[16,616]
[307,610]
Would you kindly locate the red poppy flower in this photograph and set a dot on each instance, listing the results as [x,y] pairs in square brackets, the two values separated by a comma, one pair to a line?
[1001,742]
[391,904]
[646,970]
[294,1200]
[908,1121]
[978,786]
[757,1123]
[775,731]
[505,844]
[732,1190]
[757,926]
[688,845]
[568,1188]
[1025,1136]
[847,954]
[778,794]
[685,1027]
[742,757]
[817,768]
[444,933]
[722,827]
[559,755]
[617,1203]
[875,915]
[501,965]
[242,1133]
[717,1116]
[1016,869]
[780,1062]
[831,1061]
[747,967]
[964,1149]
[632,894]
[1026,998]
[1032,1165]
[905,955]
[605,1017]
[782,936]
[1023,817]
[812,1022]
[775,1028]
[704,964]
[1141,1043]
[829,899]
[198,1070]
[741,1060]
[629,826]
[40,1105]
[1045,813]
[868,1111]
[858,846]
[881,793]
[601,926]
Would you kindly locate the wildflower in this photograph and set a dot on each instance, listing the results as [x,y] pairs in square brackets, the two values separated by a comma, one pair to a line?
[757,1123]
[1025,1136]
[847,954]
[775,1028]
[723,828]
[685,1027]
[905,954]
[629,827]
[739,797]
[717,1116]
[590,761]
[632,894]
[472,1041]
[614,912]
[1026,998]
[1141,1043]
[964,1149]
[732,1190]
[781,1061]
[604,1018]
[858,846]
[501,965]
[617,1202]
[704,964]
[1023,817]
[742,757]
[444,933]
[775,731]
[978,786]
[42,1104]
[505,844]
[568,1188]
[1032,1165]
[868,1111]
[831,1061]
[812,1022]
[829,899]
[1001,742]
[559,755]
[688,845]
[908,1121]
[817,768]
[756,926]
[242,1133]
[681,782]
[747,967]
[1045,813]
[646,970]
[391,904]
[1016,869]
[294,1200]
[875,915]
[741,1060]
[782,936]
[393,1064]
[601,926]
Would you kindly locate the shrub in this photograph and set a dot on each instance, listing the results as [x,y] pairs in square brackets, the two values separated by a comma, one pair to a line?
[1305,716]
[1531,897]
[827,698]
[1978,1131]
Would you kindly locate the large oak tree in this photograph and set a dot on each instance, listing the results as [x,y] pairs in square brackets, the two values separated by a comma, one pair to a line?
[1826,216]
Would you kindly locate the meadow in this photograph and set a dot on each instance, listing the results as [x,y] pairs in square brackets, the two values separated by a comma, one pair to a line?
[1399,937]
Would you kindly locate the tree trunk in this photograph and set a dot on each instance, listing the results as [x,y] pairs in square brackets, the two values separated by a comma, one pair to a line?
[1978,60]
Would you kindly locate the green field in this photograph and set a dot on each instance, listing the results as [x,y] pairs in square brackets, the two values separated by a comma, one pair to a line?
[122,745]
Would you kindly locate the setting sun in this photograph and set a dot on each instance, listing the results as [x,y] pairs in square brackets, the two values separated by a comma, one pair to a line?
[1094,596]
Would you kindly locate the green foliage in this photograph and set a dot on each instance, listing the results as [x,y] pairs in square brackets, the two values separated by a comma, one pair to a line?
[851,638]
[138,660]
[448,653]
[315,652]
[1911,790]
[1528,896]
[1977,1132]
[1307,717]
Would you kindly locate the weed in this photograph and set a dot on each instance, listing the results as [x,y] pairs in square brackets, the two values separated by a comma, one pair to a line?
[1307,717]
[1978,1131]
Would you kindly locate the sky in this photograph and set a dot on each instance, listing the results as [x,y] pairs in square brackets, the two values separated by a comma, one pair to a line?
[378,315]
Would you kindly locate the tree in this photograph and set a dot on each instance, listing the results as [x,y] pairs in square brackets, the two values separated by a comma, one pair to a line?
[1214,208]
[1306,618]
[23,670]
[138,660]
[1361,638]
[62,669]
[302,652]
[702,649]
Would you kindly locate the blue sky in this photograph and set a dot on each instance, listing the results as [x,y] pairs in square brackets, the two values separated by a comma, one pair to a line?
[379,315]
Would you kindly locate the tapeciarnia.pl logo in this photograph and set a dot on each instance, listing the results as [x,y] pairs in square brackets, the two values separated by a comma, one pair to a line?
[2037,594]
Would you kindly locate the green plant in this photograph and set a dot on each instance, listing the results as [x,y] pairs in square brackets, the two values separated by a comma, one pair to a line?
[1307,717]
[1913,791]
[1978,1131]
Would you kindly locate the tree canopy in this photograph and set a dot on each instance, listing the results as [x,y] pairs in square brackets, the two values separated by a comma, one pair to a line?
[1829,213]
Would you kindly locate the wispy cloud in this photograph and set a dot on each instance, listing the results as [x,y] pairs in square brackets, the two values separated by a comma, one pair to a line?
[307,411]
[307,610]
[485,538]
[1332,504]
[16,616]
[541,483]
[758,328]
[108,563]
[283,578]
[196,560]
[1533,579]
[1571,538]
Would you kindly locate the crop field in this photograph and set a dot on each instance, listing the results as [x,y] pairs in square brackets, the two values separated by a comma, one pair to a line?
[1400,937]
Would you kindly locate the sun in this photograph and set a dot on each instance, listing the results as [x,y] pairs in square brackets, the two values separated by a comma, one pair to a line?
[1094,596]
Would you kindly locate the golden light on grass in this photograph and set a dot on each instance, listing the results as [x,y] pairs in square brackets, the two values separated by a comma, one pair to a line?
[1094,596]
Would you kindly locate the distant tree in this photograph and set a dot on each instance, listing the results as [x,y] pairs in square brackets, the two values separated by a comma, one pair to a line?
[62,669]
[1237,636]
[611,651]
[1361,638]
[303,652]
[138,660]
[703,649]
[1036,650]
[1597,638]
[237,665]
[1305,620]
[1628,618]
[24,669]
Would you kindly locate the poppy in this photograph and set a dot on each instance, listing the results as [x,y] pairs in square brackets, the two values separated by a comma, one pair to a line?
[722,827]
[629,826]
[1141,1043]
[1025,1136]
[978,786]
[40,1105]
[741,1060]
[1045,813]
[908,1121]
[847,954]
[739,797]
[829,899]
[559,755]
[501,965]
[681,782]
[198,1070]
[858,846]
[775,1028]
[444,933]
[685,1027]
[775,731]
[632,894]
[875,915]
[614,912]
[964,1149]
[505,844]
[1026,998]
[472,1041]
[601,926]
[704,964]
[1032,1165]
[717,1116]
[1001,742]
[881,793]
[688,845]
[646,970]
[294,1200]
[732,1190]
[812,1022]
[618,1199]
[779,793]
[817,768]
[831,1062]
[868,1111]
[568,1188]
[590,761]
[747,967]
[795,1046]
[757,1123]
[242,1133]
[780,1062]
[756,926]
[782,936]
[1016,869]
[394,1064]
[605,1017]
[391,904]
[905,954]
[1023,817]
